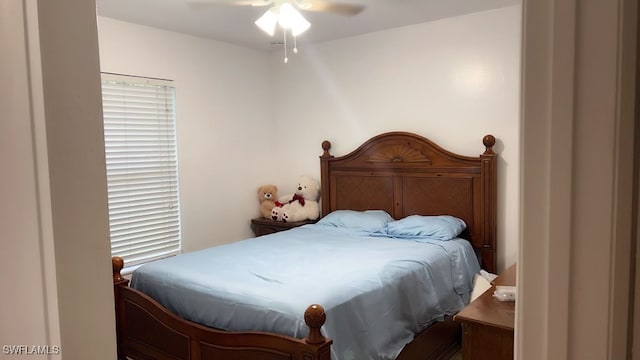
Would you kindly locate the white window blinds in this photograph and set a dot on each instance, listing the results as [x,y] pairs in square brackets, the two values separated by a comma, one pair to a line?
[142,168]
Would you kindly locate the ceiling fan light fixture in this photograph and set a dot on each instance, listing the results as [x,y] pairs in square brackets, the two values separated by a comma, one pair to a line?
[268,21]
[285,14]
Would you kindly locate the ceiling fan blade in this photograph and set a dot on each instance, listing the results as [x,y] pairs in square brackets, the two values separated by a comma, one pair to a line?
[208,3]
[331,7]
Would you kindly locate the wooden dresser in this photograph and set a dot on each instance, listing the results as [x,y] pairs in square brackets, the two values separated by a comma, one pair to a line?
[262,226]
[487,323]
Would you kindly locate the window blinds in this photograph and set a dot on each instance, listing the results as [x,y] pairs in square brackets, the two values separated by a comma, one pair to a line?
[142,168]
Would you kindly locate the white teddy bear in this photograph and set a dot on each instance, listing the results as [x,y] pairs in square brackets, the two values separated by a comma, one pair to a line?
[302,205]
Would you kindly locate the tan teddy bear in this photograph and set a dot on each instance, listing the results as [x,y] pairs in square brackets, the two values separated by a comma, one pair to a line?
[267,194]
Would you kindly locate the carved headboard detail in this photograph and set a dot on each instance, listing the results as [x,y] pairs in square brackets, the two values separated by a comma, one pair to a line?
[406,174]
[399,153]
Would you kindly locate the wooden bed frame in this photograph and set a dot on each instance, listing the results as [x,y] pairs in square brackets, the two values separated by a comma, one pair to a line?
[399,172]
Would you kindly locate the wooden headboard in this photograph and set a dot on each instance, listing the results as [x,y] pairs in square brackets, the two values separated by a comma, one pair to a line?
[406,174]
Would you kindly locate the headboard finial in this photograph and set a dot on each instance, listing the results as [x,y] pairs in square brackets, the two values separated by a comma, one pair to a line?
[326,145]
[315,317]
[488,141]
[117,263]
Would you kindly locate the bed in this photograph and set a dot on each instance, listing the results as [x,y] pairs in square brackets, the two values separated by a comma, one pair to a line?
[409,175]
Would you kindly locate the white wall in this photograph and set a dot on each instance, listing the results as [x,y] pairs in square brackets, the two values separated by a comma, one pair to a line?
[223,122]
[453,80]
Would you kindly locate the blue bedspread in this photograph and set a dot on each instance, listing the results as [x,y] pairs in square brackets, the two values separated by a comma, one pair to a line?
[378,292]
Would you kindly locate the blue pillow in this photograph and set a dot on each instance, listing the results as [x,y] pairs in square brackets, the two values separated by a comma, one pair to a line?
[442,227]
[369,220]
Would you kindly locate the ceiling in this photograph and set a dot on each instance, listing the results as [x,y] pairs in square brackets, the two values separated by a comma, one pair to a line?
[234,24]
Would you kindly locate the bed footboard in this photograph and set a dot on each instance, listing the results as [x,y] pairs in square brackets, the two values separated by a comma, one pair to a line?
[146,330]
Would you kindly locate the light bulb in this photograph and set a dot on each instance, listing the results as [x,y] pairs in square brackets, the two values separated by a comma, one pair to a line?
[290,18]
[267,22]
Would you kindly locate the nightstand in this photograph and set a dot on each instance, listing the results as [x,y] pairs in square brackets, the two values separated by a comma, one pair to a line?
[262,226]
[487,323]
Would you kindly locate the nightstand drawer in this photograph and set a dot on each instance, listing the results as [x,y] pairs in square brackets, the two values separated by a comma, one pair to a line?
[486,342]
[262,226]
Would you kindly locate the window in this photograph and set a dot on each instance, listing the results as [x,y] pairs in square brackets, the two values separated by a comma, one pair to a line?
[142,167]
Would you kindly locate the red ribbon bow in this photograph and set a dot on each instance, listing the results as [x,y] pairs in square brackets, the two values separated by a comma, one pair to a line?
[295,198]
[298,198]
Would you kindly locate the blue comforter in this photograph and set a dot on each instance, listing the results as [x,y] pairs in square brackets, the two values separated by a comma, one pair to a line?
[378,292]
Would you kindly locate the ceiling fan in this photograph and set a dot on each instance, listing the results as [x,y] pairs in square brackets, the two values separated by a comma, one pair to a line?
[306,5]
[285,13]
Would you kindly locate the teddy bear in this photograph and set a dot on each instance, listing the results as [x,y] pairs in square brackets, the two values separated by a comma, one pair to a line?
[301,205]
[267,194]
